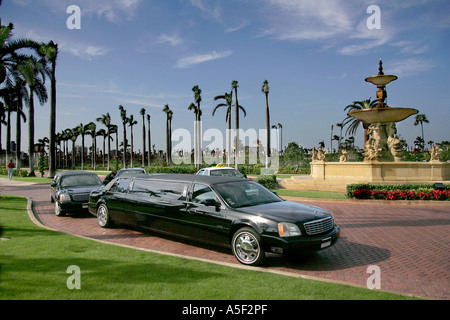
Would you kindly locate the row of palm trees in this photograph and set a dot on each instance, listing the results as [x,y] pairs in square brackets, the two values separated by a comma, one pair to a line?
[225,100]
[25,65]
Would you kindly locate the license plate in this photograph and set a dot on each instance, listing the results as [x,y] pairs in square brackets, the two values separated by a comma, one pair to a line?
[325,243]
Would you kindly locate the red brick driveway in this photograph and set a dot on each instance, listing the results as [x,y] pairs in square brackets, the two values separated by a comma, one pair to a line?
[409,242]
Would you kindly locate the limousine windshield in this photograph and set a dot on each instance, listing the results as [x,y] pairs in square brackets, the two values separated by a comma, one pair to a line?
[245,194]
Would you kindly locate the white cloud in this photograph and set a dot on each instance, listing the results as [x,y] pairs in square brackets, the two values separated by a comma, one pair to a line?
[307,20]
[84,52]
[214,12]
[173,40]
[409,67]
[200,58]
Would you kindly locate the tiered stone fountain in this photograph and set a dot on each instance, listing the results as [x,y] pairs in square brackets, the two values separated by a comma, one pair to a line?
[383,152]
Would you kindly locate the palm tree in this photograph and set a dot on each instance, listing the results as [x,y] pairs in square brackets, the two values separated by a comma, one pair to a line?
[142,113]
[234,86]
[10,57]
[105,119]
[169,114]
[7,93]
[91,129]
[20,94]
[114,128]
[67,134]
[149,140]
[30,71]
[123,116]
[82,130]
[421,119]
[197,126]
[131,123]
[104,134]
[228,97]
[265,90]
[352,122]
[74,133]
[340,125]
[50,51]
[2,121]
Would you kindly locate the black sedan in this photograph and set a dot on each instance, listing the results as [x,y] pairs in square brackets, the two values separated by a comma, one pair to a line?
[70,190]
[220,210]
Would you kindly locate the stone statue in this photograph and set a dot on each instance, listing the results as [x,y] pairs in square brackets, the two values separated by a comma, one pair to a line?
[344,156]
[394,143]
[321,154]
[318,155]
[435,155]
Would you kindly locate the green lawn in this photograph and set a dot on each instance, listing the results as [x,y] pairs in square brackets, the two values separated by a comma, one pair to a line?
[34,264]
[310,194]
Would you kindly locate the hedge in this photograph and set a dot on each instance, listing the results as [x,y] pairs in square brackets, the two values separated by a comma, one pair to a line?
[16,173]
[268,181]
[397,192]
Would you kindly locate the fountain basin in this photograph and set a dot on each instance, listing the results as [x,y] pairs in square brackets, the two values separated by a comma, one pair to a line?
[387,114]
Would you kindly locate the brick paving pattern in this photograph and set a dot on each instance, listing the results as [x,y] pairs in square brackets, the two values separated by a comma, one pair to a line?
[408,242]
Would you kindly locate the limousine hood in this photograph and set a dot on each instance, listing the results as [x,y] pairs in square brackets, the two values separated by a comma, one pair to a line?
[287,211]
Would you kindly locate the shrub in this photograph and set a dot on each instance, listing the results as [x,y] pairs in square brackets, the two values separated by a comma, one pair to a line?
[268,181]
[362,194]
[398,192]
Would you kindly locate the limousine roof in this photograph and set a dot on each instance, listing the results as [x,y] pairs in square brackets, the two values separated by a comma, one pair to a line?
[74,172]
[186,178]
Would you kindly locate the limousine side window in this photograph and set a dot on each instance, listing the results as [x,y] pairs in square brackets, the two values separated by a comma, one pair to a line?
[160,189]
[120,185]
[203,194]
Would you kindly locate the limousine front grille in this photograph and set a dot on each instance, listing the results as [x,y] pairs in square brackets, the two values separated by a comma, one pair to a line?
[319,226]
[80,197]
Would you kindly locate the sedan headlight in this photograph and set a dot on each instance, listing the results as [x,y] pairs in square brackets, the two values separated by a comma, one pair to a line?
[63,197]
[286,229]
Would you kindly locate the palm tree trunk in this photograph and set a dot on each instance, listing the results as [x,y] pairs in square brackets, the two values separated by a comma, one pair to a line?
[143,140]
[131,137]
[236,121]
[52,145]
[8,135]
[267,132]
[149,141]
[31,134]
[18,136]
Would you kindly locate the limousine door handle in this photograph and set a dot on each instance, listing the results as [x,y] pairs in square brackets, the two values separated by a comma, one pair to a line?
[195,211]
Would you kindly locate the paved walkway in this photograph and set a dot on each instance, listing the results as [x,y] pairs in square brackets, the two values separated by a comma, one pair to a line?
[409,242]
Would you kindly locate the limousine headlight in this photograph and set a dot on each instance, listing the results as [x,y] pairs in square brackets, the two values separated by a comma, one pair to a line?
[63,197]
[286,229]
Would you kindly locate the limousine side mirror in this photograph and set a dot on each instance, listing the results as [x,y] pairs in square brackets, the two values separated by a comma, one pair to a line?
[53,184]
[211,203]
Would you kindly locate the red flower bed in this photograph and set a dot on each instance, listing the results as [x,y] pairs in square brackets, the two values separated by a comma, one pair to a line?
[442,195]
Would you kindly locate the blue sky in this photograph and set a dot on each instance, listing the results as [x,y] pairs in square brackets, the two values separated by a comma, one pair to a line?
[315,55]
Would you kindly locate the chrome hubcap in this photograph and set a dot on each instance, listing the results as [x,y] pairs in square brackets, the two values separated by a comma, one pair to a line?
[247,247]
[102,215]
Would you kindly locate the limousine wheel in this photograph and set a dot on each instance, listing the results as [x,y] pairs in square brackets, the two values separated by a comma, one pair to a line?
[58,210]
[104,220]
[246,246]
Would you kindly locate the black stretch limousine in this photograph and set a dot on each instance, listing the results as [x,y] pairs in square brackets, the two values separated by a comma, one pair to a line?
[219,210]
